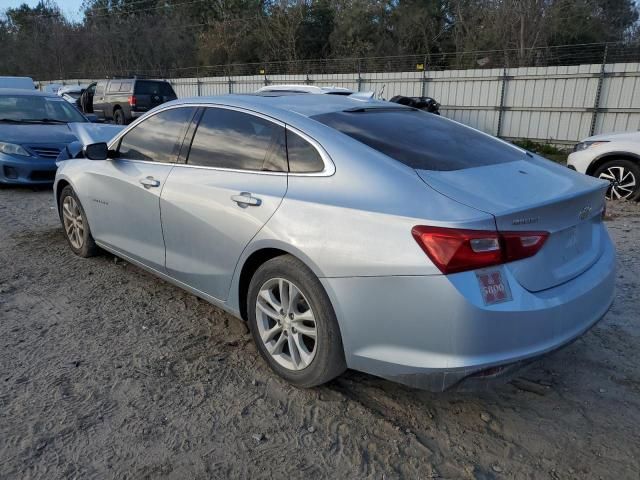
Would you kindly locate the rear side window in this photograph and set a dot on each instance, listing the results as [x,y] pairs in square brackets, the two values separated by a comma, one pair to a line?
[421,140]
[125,87]
[114,87]
[158,138]
[148,87]
[231,139]
[303,157]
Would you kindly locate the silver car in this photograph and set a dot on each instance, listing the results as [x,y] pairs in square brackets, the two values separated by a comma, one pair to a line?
[351,234]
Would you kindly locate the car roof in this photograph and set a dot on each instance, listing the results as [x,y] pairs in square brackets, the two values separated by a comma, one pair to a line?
[25,92]
[279,106]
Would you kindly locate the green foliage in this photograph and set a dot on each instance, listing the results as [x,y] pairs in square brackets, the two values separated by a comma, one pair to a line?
[546,150]
[162,36]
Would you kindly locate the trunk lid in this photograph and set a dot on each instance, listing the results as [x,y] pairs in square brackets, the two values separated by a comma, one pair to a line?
[534,194]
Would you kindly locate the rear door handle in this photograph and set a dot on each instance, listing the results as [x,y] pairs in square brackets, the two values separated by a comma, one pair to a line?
[245,200]
[149,182]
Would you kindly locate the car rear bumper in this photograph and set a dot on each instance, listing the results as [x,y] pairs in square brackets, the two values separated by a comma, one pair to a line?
[432,332]
[31,171]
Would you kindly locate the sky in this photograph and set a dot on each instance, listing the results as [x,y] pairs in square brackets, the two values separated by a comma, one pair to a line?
[70,8]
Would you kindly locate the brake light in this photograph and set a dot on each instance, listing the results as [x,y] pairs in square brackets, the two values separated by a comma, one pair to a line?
[132,100]
[455,250]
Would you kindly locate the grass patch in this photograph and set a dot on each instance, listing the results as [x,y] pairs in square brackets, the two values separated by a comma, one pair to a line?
[546,150]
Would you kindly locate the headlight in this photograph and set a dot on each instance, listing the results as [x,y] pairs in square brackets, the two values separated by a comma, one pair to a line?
[585,145]
[13,149]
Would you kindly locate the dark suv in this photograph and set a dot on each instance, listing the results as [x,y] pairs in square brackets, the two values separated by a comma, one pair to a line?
[123,99]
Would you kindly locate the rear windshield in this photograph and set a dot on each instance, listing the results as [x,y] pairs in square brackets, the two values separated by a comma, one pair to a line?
[420,140]
[146,87]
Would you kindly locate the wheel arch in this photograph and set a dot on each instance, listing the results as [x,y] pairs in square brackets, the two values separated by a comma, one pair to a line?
[252,260]
[606,157]
[62,183]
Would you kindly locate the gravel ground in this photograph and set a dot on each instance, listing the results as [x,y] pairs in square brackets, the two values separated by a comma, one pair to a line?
[108,372]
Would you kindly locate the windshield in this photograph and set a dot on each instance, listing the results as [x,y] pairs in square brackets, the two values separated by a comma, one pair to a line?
[35,108]
[146,87]
[420,140]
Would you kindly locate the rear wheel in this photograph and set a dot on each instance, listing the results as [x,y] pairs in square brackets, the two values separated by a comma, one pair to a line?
[293,323]
[76,227]
[623,177]
[118,117]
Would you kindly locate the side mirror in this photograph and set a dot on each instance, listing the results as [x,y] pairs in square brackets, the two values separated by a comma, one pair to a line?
[93,118]
[96,151]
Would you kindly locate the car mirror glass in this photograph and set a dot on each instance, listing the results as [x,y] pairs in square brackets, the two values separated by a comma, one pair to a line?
[96,151]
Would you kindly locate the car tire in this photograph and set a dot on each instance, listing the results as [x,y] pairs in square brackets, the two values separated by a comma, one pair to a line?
[624,176]
[75,225]
[304,352]
[118,117]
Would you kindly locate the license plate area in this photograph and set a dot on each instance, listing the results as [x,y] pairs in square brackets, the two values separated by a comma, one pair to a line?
[494,286]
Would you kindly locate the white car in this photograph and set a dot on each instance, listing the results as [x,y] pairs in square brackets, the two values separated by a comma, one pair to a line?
[614,157]
[306,89]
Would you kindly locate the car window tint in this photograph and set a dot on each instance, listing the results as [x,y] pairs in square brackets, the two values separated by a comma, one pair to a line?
[158,138]
[421,140]
[303,157]
[147,87]
[114,87]
[230,139]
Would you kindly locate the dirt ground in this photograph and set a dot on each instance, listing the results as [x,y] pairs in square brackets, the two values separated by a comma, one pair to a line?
[108,372]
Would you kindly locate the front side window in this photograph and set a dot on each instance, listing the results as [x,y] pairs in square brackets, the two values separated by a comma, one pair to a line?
[420,140]
[38,109]
[158,138]
[236,140]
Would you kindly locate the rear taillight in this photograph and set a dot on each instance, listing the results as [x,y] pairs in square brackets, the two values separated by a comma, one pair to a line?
[132,100]
[454,250]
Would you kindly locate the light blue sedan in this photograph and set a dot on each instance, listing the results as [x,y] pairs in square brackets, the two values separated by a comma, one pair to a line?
[351,233]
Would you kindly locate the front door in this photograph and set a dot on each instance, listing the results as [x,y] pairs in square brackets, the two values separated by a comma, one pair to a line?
[124,208]
[233,181]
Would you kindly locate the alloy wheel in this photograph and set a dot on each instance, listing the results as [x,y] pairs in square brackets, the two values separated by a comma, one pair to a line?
[622,182]
[73,223]
[286,324]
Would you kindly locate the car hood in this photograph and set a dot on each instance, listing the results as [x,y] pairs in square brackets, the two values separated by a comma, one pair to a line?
[36,133]
[622,136]
[88,133]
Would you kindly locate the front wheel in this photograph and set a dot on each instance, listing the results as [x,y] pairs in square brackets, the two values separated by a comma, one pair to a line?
[623,177]
[74,222]
[293,323]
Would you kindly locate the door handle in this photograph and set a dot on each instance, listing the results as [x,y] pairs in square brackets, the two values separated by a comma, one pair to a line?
[149,182]
[245,200]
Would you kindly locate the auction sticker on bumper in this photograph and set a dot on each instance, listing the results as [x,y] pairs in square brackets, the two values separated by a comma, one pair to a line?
[493,286]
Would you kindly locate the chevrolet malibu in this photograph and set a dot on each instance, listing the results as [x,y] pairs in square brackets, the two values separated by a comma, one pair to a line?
[351,233]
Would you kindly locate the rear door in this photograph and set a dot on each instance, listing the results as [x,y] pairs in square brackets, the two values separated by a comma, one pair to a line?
[151,93]
[234,179]
[124,211]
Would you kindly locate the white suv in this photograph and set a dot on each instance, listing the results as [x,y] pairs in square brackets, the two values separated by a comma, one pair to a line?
[614,157]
